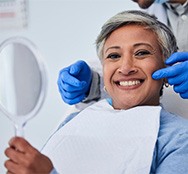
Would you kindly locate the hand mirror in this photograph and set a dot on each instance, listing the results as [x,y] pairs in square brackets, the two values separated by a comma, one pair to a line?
[22,81]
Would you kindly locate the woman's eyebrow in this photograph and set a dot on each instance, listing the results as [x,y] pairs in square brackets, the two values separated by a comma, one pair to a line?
[135,45]
[143,43]
[112,47]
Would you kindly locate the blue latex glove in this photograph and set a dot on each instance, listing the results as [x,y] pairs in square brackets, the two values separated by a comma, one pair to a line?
[74,82]
[177,74]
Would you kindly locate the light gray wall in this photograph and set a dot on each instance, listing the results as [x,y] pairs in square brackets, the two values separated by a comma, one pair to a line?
[64,31]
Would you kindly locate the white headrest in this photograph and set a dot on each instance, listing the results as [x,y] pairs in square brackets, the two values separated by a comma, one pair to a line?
[172,102]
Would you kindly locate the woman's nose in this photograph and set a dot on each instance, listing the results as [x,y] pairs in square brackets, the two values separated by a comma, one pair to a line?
[127,67]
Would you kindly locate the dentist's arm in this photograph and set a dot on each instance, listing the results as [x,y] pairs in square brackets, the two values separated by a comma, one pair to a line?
[177,74]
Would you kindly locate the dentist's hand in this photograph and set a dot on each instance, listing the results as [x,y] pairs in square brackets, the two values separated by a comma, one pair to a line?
[177,74]
[74,82]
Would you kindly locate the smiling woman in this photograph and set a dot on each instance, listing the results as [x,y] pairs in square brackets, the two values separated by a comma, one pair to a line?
[129,59]
[129,132]
[131,47]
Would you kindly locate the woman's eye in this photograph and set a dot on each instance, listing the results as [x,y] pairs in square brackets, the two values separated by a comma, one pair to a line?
[113,56]
[142,53]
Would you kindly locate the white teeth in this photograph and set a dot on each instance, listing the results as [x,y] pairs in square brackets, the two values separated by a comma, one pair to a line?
[129,83]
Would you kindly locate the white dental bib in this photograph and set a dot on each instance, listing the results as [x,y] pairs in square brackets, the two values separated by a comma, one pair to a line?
[101,140]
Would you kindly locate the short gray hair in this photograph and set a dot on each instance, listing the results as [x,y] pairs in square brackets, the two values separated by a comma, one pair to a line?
[166,39]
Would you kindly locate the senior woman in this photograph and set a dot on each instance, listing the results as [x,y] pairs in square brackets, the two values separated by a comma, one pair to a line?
[128,133]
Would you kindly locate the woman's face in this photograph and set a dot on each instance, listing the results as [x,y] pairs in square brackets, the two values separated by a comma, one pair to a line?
[130,55]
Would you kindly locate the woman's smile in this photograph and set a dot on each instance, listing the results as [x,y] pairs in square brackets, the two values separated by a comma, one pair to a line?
[129,84]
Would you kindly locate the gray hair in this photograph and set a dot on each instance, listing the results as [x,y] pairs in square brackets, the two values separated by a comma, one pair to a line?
[166,39]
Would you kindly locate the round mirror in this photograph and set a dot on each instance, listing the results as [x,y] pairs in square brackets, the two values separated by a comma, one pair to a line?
[22,81]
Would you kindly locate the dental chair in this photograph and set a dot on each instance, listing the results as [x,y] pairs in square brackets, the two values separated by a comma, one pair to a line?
[172,102]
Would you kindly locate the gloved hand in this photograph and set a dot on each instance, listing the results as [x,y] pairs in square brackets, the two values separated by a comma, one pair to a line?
[74,82]
[177,74]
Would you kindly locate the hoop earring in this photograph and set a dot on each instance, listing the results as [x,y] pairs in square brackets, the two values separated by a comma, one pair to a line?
[104,88]
[166,84]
